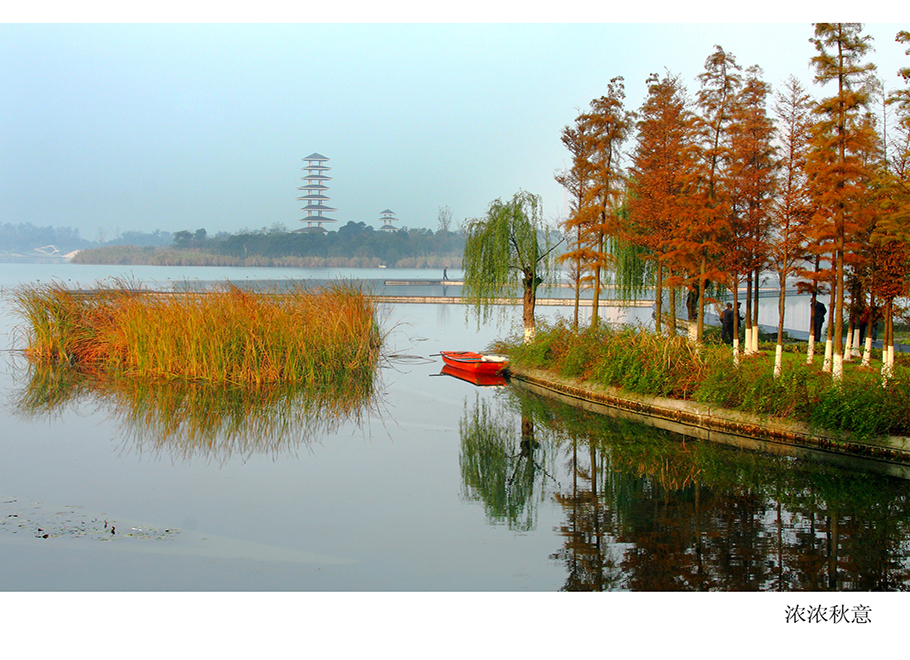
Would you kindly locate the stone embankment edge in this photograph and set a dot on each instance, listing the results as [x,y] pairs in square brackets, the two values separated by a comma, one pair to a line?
[888,455]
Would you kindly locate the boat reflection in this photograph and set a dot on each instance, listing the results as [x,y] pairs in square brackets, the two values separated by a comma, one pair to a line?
[192,420]
[478,379]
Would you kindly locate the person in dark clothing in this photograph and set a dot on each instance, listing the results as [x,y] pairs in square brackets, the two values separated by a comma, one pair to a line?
[445,273]
[863,323]
[819,320]
[726,323]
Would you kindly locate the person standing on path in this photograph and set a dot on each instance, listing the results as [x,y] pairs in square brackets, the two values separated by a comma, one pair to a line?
[726,324]
[819,319]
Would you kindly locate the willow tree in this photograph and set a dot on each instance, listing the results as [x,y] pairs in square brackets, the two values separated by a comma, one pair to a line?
[840,173]
[505,251]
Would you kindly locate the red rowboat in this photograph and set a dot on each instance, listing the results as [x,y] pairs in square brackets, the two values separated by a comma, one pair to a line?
[480,380]
[474,362]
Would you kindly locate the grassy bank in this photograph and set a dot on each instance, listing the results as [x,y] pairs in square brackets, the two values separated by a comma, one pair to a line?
[227,336]
[640,361]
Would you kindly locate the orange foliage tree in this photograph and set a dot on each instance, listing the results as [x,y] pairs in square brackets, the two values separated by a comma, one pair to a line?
[839,171]
[608,125]
[889,253]
[750,181]
[705,229]
[576,181]
[662,181]
[791,205]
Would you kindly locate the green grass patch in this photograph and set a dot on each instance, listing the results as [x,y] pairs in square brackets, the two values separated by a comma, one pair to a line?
[639,361]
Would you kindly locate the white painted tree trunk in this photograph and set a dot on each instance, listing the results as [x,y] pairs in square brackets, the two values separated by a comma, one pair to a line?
[810,352]
[887,364]
[829,350]
[837,372]
[755,339]
[736,351]
[778,360]
[867,351]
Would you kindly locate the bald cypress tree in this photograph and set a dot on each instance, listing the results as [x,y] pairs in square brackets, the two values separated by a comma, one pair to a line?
[838,166]
[710,226]
[576,180]
[791,205]
[608,127]
[596,181]
[662,181]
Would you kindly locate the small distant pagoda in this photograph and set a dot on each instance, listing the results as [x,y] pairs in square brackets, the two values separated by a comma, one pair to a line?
[388,217]
[315,189]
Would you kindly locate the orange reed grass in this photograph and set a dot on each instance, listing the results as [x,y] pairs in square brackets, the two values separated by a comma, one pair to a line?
[227,335]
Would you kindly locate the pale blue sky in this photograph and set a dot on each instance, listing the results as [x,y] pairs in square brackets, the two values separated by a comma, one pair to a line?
[112,127]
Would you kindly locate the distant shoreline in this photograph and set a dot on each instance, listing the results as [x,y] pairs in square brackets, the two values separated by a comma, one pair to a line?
[190,257]
[28,259]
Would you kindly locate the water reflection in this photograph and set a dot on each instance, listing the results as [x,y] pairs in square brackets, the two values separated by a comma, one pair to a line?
[503,466]
[194,420]
[645,510]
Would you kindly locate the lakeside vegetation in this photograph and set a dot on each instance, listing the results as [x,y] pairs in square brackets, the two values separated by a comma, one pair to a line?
[722,188]
[354,245]
[227,336]
[716,194]
[642,362]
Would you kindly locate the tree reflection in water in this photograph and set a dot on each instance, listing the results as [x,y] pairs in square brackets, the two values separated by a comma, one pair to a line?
[647,510]
[502,466]
[189,420]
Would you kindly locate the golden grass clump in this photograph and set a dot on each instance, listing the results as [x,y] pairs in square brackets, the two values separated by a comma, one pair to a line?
[228,335]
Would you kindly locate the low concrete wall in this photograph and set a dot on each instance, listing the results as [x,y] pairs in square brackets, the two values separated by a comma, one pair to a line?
[888,455]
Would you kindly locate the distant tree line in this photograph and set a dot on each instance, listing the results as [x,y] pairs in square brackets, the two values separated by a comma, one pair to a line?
[354,244]
[355,239]
[24,238]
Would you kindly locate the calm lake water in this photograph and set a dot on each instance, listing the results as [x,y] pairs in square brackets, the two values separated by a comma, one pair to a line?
[438,486]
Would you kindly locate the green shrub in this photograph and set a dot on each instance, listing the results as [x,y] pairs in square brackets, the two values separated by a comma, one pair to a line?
[640,361]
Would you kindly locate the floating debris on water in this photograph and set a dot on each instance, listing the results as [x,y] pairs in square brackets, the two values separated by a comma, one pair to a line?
[45,523]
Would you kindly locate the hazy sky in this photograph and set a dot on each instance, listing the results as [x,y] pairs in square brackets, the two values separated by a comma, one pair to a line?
[112,127]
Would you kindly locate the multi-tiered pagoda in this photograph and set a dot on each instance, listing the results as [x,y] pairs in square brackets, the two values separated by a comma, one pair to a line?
[314,188]
[388,217]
